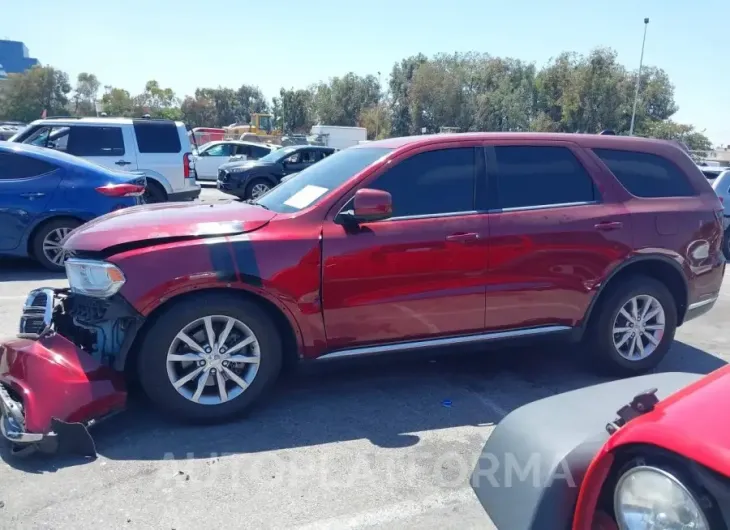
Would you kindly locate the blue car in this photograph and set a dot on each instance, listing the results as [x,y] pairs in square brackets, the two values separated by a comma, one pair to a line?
[44,194]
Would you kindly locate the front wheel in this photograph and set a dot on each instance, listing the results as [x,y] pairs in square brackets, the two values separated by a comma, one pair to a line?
[47,243]
[257,188]
[634,327]
[209,358]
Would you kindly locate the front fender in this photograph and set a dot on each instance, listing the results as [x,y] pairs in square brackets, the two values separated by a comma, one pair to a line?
[532,467]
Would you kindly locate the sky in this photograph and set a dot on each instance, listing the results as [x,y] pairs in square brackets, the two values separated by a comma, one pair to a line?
[185,44]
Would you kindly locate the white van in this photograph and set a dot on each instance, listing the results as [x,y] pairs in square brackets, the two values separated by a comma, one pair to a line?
[158,148]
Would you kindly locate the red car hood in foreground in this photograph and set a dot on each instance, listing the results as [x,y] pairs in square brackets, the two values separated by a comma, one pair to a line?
[690,422]
[167,221]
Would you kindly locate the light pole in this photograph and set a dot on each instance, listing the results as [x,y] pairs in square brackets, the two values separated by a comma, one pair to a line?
[638,79]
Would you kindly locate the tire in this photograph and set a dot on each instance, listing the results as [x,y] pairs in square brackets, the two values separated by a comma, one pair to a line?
[726,245]
[52,232]
[599,339]
[252,186]
[154,368]
[154,192]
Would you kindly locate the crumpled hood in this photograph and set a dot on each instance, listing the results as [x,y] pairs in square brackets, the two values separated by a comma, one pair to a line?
[166,221]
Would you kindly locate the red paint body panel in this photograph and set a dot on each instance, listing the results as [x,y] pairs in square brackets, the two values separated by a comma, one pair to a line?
[57,380]
[159,221]
[686,423]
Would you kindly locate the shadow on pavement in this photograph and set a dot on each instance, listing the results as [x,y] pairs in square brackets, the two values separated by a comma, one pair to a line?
[384,400]
[25,270]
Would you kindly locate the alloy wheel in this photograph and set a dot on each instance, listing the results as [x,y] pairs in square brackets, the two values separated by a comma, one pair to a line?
[53,245]
[213,360]
[258,190]
[639,327]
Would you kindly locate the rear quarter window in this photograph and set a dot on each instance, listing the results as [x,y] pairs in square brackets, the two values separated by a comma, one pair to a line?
[13,166]
[646,175]
[157,137]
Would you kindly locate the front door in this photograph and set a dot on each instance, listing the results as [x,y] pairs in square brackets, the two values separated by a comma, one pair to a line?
[103,145]
[555,231]
[26,187]
[419,274]
[207,162]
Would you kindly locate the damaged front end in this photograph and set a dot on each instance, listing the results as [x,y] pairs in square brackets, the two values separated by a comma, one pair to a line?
[58,377]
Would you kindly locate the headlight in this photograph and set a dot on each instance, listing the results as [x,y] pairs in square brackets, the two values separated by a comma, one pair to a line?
[237,169]
[649,498]
[93,278]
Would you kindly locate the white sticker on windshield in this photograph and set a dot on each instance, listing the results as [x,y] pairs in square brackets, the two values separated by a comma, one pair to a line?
[305,196]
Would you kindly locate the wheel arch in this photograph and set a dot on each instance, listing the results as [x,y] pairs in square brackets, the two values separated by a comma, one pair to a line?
[127,360]
[43,222]
[268,177]
[656,266]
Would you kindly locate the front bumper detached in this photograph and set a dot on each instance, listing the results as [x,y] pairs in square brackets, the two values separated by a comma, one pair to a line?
[51,391]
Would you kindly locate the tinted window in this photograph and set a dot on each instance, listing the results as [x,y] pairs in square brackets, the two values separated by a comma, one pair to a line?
[95,141]
[258,152]
[309,157]
[646,175]
[157,137]
[242,150]
[430,183]
[539,176]
[318,180]
[14,166]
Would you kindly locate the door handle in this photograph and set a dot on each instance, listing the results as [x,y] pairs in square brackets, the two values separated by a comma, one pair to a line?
[32,195]
[463,237]
[122,163]
[609,225]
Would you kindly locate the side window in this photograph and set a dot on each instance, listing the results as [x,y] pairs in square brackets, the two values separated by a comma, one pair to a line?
[646,175]
[51,137]
[539,176]
[157,136]
[294,159]
[243,150]
[431,183]
[259,152]
[14,166]
[309,157]
[219,150]
[95,141]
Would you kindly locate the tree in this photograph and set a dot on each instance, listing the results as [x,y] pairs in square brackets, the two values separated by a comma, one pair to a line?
[342,99]
[698,144]
[26,96]
[84,99]
[158,102]
[198,111]
[376,120]
[250,100]
[117,102]
[401,77]
[295,108]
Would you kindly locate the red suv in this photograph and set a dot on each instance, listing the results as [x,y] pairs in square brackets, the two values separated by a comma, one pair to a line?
[401,244]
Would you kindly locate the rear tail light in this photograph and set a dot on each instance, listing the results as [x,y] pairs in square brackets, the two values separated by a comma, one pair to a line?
[187,163]
[121,190]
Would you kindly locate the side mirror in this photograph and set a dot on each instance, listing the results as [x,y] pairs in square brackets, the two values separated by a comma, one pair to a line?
[369,205]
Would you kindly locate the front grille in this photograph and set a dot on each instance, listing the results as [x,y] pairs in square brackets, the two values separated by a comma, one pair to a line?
[37,312]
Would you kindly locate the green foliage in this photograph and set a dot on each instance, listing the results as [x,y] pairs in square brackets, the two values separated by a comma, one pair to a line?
[27,95]
[469,91]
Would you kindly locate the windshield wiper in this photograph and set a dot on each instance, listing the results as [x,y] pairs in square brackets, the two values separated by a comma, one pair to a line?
[251,201]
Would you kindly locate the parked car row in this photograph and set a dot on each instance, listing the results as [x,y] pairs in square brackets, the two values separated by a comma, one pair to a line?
[395,245]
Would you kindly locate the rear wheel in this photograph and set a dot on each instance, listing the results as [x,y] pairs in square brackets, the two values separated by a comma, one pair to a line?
[210,358]
[154,192]
[256,188]
[633,328]
[47,243]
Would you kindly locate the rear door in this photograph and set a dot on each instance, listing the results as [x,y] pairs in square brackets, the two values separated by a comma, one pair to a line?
[26,187]
[160,150]
[419,274]
[209,160]
[103,145]
[556,229]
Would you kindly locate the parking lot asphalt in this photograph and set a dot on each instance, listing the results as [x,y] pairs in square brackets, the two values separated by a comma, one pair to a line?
[387,443]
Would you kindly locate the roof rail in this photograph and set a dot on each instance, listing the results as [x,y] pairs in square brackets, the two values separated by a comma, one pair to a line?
[62,117]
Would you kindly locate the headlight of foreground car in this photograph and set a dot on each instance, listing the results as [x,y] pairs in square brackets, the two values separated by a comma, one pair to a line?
[93,278]
[237,169]
[649,498]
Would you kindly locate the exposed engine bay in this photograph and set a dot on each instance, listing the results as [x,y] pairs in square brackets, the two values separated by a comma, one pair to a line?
[102,327]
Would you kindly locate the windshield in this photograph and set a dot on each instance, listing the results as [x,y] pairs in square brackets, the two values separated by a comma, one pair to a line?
[315,182]
[278,154]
